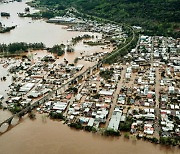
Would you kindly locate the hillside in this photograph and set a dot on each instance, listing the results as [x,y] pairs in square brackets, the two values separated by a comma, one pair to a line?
[157,17]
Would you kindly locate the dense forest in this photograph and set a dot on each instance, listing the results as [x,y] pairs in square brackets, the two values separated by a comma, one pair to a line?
[157,17]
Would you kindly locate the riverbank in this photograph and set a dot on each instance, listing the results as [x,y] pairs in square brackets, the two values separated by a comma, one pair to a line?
[47,136]
[53,76]
[165,141]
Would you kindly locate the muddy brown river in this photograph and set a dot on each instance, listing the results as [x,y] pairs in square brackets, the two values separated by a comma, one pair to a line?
[32,31]
[44,136]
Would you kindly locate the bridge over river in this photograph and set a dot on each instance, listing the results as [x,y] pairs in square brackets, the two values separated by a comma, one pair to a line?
[5,125]
[82,76]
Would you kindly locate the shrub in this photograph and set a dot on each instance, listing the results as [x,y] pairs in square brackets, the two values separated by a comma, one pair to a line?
[126,135]
[55,115]
[76,125]
[111,132]
[32,115]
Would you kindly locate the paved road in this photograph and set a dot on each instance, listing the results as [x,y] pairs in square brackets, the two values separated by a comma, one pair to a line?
[157,87]
[115,96]
[119,84]
[152,52]
[157,90]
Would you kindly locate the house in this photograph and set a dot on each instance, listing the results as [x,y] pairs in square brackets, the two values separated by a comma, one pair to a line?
[148,129]
[61,106]
[27,87]
[171,89]
[34,94]
[79,67]
[115,119]
[91,122]
[106,93]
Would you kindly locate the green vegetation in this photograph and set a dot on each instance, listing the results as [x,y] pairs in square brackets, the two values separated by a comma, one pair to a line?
[54,115]
[1,106]
[46,59]
[157,17]
[79,38]
[20,47]
[170,141]
[126,135]
[126,126]
[73,90]
[154,140]
[76,125]
[5,14]
[111,132]
[33,15]
[57,49]
[32,115]
[69,49]
[15,109]
[96,96]
[122,50]
[46,12]
[91,43]
[150,139]
[107,74]
[90,129]
[76,60]
[6,29]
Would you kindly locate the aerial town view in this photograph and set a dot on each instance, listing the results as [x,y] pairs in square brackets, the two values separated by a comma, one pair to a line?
[97,76]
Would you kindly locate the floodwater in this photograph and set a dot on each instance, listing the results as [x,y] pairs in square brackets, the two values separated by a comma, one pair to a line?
[4,115]
[32,31]
[44,136]
[4,84]
[3,90]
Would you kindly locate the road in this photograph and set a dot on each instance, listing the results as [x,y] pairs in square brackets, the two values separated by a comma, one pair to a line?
[157,90]
[109,21]
[115,96]
[42,99]
[115,52]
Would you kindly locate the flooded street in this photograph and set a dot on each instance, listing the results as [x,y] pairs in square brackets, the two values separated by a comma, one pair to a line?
[42,135]
[4,84]
[52,137]
[4,114]
[31,31]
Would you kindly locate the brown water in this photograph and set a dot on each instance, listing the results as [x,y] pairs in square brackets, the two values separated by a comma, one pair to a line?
[4,115]
[31,31]
[51,137]
[3,90]
[4,84]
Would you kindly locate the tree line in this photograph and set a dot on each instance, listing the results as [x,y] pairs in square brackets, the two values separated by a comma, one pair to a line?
[156,17]
[20,47]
